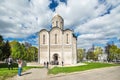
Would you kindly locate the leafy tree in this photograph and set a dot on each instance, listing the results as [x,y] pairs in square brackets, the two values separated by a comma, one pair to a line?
[107,50]
[114,52]
[35,54]
[28,53]
[97,51]
[1,39]
[16,49]
[118,54]
[80,54]
[90,55]
[93,53]
[0,54]
[1,47]
[24,52]
[32,53]
[6,50]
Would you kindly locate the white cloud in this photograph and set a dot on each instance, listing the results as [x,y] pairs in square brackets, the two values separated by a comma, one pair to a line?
[21,18]
[95,21]
[76,11]
[103,27]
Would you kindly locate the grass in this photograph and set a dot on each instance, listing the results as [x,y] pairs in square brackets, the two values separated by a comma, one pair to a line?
[89,66]
[5,73]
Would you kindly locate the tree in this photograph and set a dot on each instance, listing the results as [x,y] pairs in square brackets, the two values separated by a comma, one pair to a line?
[114,52]
[6,50]
[35,54]
[97,51]
[16,49]
[80,54]
[118,54]
[0,54]
[28,53]
[107,50]
[1,47]
[93,53]
[90,55]
[2,44]
[32,53]
[1,39]
[24,52]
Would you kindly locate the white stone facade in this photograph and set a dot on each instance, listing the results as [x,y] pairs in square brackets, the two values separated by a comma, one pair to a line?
[57,45]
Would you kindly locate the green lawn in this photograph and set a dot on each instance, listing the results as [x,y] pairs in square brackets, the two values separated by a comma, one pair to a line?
[5,73]
[89,66]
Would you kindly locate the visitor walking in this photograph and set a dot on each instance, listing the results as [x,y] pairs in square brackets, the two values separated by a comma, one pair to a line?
[19,67]
[47,64]
[62,63]
[44,64]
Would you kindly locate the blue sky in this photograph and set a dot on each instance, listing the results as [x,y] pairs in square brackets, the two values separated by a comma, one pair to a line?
[93,21]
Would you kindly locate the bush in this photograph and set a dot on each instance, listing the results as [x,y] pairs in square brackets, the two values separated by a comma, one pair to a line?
[5,65]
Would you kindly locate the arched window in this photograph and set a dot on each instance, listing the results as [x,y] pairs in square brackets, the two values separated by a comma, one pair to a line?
[52,22]
[67,39]
[43,39]
[55,38]
[61,24]
[56,23]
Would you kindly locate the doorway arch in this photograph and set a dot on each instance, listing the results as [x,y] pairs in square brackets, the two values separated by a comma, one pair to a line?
[55,59]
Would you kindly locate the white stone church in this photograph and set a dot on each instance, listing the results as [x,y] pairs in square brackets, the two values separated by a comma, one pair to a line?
[57,45]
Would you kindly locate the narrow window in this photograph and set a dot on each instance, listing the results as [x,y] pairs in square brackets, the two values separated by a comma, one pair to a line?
[67,39]
[55,38]
[43,39]
[61,25]
[56,23]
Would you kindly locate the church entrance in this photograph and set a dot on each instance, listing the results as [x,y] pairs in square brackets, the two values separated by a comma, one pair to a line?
[55,59]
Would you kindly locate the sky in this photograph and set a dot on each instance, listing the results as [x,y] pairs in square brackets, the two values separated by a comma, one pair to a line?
[94,22]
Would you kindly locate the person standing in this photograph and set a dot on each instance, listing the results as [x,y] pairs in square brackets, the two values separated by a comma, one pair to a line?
[62,63]
[19,67]
[44,64]
[47,64]
[10,61]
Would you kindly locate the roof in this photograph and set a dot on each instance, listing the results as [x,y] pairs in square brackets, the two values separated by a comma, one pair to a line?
[57,16]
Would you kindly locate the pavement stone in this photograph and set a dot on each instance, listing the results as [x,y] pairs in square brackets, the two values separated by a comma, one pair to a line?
[109,73]
[32,74]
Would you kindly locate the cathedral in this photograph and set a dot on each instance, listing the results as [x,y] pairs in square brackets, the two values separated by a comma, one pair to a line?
[57,46]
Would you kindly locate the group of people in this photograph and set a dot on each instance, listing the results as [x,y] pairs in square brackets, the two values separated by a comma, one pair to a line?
[10,65]
[46,64]
[20,63]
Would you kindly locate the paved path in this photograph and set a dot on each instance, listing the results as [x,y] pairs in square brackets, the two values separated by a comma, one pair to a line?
[111,73]
[32,74]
